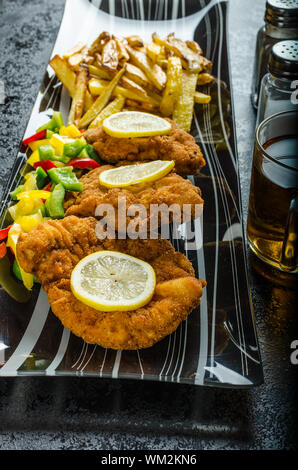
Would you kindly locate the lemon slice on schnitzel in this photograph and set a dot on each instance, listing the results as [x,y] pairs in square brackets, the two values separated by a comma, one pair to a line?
[112,281]
[135,124]
[132,174]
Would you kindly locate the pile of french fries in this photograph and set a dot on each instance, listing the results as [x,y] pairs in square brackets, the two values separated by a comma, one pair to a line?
[114,74]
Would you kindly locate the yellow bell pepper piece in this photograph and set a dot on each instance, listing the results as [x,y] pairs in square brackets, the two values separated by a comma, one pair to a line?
[30,182]
[13,236]
[12,241]
[57,141]
[38,143]
[29,222]
[70,131]
[34,157]
[34,194]
[24,207]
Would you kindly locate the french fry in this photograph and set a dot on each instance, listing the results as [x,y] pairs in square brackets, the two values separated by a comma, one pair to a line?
[113,107]
[78,99]
[137,75]
[98,43]
[153,50]
[97,87]
[99,72]
[75,60]
[88,59]
[101,101]
[123,55]
[204,78]
[117,73]
[194,46]
[206,64]
[191,60]
[153,71]
[201,98]
[173,86]
[109,56]
[74,50]
[135,41]
[131,85]
[64,73]
[88,101]
[138,106]
[183,110]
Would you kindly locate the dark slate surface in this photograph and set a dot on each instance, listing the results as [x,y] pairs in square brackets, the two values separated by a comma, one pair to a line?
[75,413]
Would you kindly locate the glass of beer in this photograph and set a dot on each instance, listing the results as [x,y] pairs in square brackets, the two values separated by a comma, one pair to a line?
[272,224]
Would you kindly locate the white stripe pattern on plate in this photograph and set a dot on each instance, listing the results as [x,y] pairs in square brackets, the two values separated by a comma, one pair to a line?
[30,337]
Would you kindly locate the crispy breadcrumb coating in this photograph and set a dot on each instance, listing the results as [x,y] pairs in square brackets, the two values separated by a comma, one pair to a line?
[53,249]
[179,146]
[171,190]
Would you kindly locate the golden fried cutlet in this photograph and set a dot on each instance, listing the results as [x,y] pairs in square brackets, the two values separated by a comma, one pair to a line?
[171,190]
[179,146]
[53,249]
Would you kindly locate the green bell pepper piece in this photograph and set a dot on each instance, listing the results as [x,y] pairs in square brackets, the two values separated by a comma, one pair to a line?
[54,204]
[66,177]
[49,134]
[84,153]
[47,152]
[54,124]
[14,193]
[92,153]
[40,208]
[61,159]
[73,149]
[58,120]
[41,177]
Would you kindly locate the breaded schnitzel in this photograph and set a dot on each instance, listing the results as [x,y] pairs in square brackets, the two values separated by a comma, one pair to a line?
[178,146]
[52,250]
[171,189]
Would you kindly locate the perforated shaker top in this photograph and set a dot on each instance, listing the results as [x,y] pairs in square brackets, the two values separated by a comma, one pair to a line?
[283,60]
[282,13]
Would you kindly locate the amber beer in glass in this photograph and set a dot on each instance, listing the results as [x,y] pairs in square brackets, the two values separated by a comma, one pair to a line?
[273,204]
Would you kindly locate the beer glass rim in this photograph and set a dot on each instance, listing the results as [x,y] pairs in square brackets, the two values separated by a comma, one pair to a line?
[260,127]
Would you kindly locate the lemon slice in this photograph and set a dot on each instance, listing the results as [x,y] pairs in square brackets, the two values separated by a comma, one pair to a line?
[135,124]
[113,281]
[133,174]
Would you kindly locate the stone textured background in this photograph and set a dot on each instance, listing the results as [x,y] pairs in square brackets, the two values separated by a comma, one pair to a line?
[75,413]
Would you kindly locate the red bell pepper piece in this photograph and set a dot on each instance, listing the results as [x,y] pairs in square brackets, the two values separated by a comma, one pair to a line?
[83,163]
[45,165]
[4,233]
[38,136]
[47,188]
[3,249]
